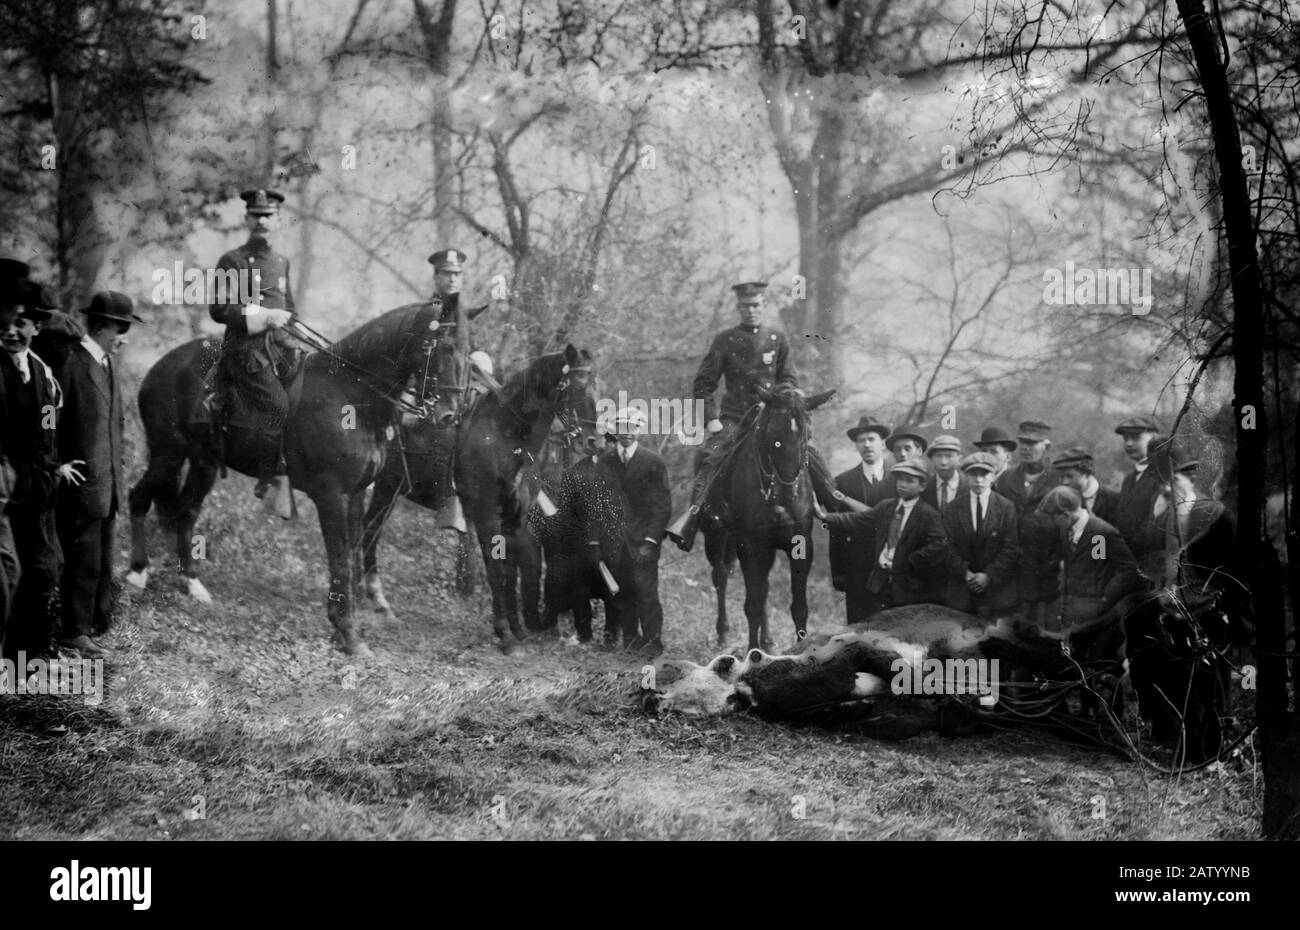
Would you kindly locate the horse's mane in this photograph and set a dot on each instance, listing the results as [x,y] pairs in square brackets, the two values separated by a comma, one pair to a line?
[528,382]
[372,343]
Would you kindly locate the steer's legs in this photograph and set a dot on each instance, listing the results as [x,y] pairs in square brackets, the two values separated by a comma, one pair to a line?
[717,545]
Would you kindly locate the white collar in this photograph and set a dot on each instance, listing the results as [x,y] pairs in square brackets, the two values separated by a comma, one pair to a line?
[626,453]
[1141,467]
[93,347]
[22,360]
[875,472]
[1076,528]
[1094,487]
[908,505]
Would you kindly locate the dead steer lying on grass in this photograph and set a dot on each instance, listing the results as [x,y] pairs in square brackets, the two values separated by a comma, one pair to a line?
[921,667]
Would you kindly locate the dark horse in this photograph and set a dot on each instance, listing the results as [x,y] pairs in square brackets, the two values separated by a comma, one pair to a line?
[500,438]
[335,441]
[768,495]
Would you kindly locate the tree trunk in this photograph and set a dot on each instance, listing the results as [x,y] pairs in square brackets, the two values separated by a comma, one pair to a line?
[1280,741]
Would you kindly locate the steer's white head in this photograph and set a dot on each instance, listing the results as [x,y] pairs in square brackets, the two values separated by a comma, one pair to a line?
[684,687]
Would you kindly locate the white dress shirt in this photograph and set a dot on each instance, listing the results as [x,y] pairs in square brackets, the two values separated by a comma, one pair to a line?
[874,472]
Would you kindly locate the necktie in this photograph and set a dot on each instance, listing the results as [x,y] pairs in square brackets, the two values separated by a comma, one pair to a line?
[943,497]
[979,515]
[624,454]
[895,529]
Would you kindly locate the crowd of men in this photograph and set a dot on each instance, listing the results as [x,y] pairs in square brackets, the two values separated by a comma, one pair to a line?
[62,466]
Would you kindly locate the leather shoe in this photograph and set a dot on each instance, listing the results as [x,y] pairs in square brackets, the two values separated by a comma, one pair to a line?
[84,645]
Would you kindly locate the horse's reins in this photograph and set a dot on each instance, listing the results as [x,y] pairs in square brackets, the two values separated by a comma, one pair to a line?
[315,340]
[771,475]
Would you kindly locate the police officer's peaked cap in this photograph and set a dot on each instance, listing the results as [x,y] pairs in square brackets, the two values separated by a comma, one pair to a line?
[262,201]
[750,291]
[448,260]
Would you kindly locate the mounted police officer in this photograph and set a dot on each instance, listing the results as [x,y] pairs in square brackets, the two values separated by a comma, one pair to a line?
[448,273]
[255,314]
[748,356]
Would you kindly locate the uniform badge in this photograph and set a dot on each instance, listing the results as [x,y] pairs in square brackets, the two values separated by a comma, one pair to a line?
[284,284]
[769,357]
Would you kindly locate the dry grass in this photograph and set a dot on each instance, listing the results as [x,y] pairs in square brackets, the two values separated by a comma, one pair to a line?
[245,705]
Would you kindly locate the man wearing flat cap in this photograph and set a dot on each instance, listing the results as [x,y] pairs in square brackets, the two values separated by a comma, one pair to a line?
[31,399]
[946,481]
[1076,469]
[257,349]
[983,542]
[1199,576]
[998,443]
[1025,484]
[909,550]
[94,492]
[1138,494]
[850,549]
[748,356]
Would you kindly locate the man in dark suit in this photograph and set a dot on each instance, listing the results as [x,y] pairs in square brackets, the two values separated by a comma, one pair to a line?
[869,483]
[1097,571]
[638,480]
[1135,517]
[32,399]
[1076,469]
[909,550]
[983,540]
[91,432]
[945,484]
[1025,484]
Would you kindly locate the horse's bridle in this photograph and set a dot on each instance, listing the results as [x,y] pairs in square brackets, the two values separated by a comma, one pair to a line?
[769,474]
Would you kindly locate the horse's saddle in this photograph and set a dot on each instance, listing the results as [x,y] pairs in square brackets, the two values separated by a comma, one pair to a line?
[221,406]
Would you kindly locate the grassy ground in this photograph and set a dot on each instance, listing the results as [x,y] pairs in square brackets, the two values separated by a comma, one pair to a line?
[240,721]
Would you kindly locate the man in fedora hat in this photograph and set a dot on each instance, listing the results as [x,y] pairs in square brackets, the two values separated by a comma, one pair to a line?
[31,399]
[637,479]
[1076,468]
[1135,516]
[906,443]
[946,481]
[748,356]
[90,433]
[1176,641]
[868,482]
[998,443]
[1025,484]
[983,541]
[256,337]
[908,548]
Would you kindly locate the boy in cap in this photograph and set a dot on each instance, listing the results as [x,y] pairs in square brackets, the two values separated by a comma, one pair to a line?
[1076,468]
[637,479]
[1025,484]
[90,433]
[31,401]
[1170,654]
[850,550]
[946,482]
[254,331]
[909,549]
[1135,516]
[747,356]
[983,540]
[996,442]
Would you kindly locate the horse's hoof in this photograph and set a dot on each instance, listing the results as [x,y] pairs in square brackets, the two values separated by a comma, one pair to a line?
[356,647]
[138,580]
[197,591]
